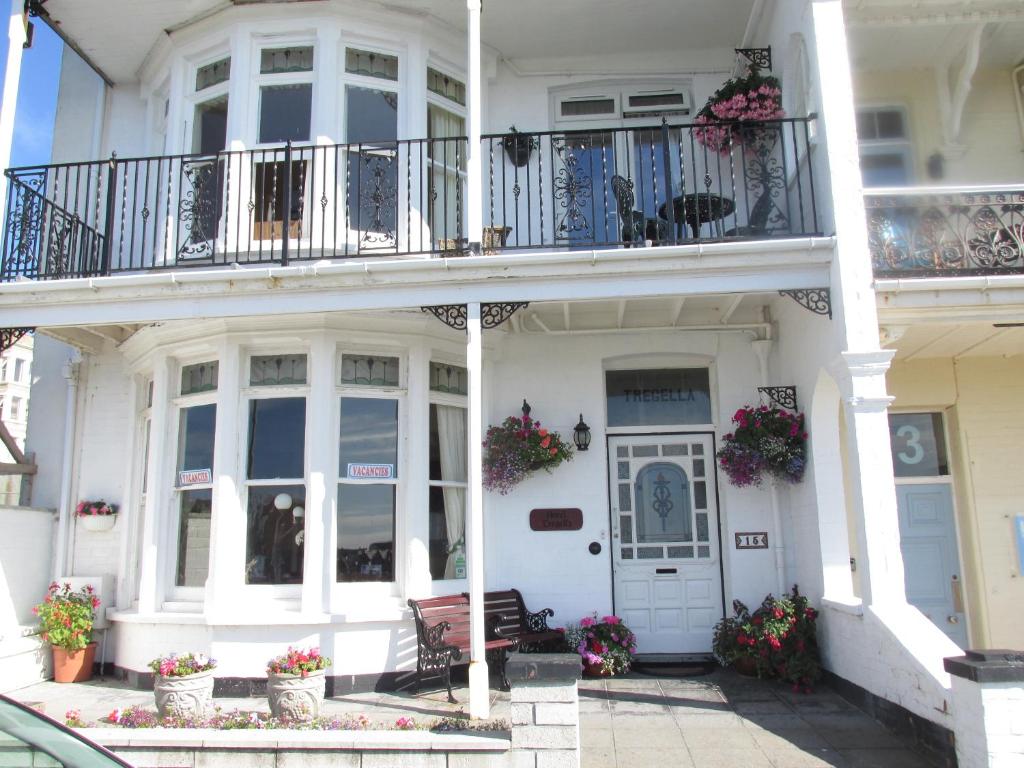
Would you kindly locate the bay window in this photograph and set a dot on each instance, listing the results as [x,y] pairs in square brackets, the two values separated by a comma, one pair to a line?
[193,479]
[448,471]
[275,463]
[368,473]
[446,123]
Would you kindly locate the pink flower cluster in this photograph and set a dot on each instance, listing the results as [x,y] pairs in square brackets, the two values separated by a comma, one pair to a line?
[753,98]
[175,665]
[95,508]
[298,662]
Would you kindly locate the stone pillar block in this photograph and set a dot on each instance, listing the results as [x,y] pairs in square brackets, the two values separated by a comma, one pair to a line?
[988,708]
[545,707]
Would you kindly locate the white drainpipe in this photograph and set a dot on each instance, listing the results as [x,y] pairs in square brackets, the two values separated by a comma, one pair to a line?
[60,557]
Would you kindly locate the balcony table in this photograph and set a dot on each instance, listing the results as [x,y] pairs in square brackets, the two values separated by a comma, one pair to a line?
[697,208]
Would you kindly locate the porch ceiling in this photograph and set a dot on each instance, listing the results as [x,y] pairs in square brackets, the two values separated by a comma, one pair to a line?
[118,34]
[954,340]
[895,34]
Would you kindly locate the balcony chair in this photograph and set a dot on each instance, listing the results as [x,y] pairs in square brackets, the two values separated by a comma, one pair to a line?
[636,227]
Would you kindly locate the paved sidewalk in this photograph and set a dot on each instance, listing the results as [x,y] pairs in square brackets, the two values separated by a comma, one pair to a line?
[720,720]
[723,720]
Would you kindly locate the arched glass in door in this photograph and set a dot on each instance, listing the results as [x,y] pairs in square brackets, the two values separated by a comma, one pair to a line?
[663,510]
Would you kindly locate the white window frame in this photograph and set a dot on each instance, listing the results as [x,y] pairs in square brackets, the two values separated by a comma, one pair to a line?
[178,404]
[448,586]
[194,98]
[249,393]
[260,80]
[140,478]
[454,108]
[903,147]
[346,595]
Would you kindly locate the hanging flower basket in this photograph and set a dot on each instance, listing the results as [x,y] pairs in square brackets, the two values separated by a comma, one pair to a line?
[751,98]
[768,441]
[517,448]
[96,516]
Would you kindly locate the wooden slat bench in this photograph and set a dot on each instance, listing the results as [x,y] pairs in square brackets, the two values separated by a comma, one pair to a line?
[507,618]
[442,639]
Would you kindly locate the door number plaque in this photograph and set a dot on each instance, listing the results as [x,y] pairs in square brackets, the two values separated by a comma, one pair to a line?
[752,540]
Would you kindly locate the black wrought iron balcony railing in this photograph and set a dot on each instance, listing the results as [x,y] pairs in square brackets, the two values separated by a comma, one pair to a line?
[934,232]
[563,190]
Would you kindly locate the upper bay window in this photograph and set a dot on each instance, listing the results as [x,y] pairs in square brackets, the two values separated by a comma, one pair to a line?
[193,480]
[286,94]
[210,113]
[275,468]
[371,123]
[446,124]
[884,143]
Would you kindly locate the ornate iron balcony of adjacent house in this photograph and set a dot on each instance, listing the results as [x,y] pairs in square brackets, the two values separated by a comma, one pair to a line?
[941,232]
[550,190]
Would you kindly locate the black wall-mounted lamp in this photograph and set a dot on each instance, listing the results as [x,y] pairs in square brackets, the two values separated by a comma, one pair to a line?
[581,435]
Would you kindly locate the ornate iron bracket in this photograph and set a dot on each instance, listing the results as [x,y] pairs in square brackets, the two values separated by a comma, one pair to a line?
[817,300]
[10,336]
[783,397]
[491,315]
[759,58]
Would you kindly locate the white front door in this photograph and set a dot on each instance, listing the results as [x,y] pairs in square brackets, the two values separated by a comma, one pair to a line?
[665,553]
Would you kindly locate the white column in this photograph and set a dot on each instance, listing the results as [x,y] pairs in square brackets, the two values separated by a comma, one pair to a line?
[12,76]
[861,378]
[150,559]
[319,507]
[762,348]
[60,556]
[226,562]
[479,693]
[417,476]
[474,166]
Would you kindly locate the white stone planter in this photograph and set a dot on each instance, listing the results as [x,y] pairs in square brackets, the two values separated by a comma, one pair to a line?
[295,697]
[186,696]
[97,523]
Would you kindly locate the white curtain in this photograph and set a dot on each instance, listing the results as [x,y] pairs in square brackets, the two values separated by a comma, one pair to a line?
[447,158]
[451,433]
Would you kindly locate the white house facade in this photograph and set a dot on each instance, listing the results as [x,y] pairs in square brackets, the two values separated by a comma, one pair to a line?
[306,252]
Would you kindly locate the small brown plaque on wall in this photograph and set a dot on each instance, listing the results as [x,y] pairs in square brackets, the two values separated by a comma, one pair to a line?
[752,540]
[556,519]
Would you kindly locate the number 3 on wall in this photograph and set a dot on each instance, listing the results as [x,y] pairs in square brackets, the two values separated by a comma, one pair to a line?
[913,437]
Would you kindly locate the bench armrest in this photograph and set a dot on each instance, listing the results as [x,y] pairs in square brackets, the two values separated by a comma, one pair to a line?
[433,639]
[538,622]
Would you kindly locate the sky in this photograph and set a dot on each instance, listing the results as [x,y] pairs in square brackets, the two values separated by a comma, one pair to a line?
[37,96]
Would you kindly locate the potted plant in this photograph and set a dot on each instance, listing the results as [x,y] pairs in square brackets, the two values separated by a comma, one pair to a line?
[753,97]
[519,447]
[605,645]
[518,147]
[183,685]
[778,640]
[296,684]
[96,515]
[66,618]
[766,441]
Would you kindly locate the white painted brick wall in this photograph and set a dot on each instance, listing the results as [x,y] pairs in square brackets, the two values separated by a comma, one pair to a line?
[989,724]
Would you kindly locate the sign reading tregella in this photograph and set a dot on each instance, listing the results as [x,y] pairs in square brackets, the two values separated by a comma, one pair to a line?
[371,471]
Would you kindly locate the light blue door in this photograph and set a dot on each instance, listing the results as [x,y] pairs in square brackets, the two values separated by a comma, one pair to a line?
[930,562]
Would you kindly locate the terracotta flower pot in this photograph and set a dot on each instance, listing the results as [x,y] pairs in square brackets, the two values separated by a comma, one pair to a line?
[595,670]
[73,666]
[186,696]
[295,697]
[746,666]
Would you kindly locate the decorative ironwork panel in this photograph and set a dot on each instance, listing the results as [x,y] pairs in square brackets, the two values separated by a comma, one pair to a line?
[452,315]
[758,58]
[954,233]
[24,227]
[784,397]
[378,197]
[817,300]
[10,336]
[493,315]
[197,209]
[573,188]
[765,178]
